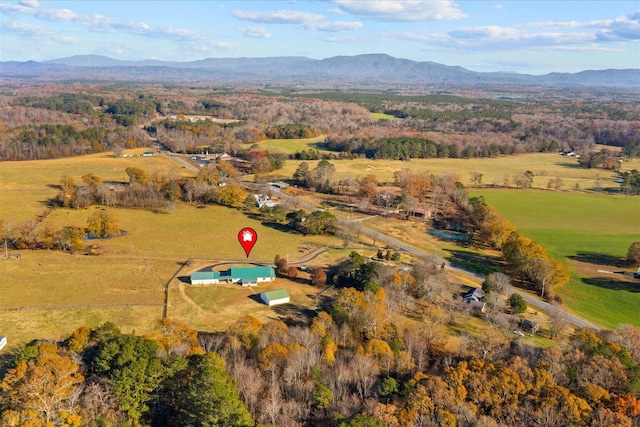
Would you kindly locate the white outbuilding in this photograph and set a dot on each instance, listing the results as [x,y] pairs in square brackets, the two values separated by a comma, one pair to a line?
[275,297]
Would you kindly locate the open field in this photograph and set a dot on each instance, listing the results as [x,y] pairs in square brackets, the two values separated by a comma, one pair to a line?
[189,232]
[20,205]
[42,173]
[545,166]
[219,306]
[589,232]
[290,146]
[133,268]
[382,116]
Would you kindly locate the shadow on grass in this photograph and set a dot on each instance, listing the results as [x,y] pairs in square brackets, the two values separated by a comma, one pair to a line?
[295,315]
[570,165]
[185,279]
[471,261]
[256,298]
[613,284]
[598,258]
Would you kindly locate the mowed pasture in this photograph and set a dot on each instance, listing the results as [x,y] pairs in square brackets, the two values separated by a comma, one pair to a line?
[589,232]
[50,293]
[544,166]
[291,146]
[44,173]
[134,268]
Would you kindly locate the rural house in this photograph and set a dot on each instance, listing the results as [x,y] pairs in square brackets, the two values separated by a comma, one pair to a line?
[245,276]
[474,298]
[275,297]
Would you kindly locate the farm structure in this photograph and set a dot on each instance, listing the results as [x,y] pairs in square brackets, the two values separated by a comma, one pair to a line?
[275,297]
[245,276]
[474,298]
[3,342]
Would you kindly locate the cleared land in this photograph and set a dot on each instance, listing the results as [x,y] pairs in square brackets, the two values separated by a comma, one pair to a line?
[290,146]
[545,166]
[130,269]
[43,173]
[589,232]
[134,268]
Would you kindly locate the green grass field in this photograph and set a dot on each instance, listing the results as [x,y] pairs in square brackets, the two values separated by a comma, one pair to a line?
[589,232]
[382,116]
[290,146]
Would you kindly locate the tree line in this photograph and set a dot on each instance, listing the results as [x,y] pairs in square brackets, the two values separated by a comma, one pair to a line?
[349,367]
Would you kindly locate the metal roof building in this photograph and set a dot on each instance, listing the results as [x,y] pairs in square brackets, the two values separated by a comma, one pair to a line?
[245,276]
[275,297]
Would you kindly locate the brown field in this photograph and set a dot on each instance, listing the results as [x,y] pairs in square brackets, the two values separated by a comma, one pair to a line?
[43,173]
[545,166]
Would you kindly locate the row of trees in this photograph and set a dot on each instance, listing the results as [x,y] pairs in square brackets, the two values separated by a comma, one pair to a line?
[35,235]
[38,142]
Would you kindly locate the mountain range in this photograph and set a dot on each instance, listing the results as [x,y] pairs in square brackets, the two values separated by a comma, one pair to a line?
[370,69]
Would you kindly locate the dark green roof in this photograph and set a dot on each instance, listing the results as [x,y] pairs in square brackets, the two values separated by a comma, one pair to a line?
[246,274]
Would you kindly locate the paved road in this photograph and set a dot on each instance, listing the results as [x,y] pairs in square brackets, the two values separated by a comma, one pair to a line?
[530,299]
[377,236]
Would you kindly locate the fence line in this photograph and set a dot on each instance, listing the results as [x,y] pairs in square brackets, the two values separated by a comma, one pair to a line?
[69,307]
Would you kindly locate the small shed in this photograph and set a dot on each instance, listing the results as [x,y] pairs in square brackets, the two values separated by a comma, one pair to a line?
[275,297]
[3,342]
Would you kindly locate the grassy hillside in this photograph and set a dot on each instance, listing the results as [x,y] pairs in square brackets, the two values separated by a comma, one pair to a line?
[590,232]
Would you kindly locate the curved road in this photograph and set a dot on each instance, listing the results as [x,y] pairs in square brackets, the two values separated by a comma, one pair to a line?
[530,299]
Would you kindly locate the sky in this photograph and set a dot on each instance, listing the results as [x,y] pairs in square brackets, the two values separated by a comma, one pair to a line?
[534,37]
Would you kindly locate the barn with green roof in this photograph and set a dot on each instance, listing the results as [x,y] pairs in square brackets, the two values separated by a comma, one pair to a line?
[245,276]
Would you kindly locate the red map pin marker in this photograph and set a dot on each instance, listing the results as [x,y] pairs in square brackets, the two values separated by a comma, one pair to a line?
[247,238]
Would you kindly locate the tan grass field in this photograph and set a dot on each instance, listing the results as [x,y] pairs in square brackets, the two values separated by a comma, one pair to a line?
[544,166]
[20,205]
[134,268]
[42,173]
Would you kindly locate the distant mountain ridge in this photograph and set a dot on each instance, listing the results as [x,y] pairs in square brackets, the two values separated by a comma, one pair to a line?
[359,69]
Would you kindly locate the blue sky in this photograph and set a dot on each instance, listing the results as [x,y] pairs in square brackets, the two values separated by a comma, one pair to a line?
[533,37]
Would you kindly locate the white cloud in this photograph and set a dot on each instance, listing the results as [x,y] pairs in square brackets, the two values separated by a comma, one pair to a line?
[101,23]
[277,17]
[401,10]
[336,26]
[255,32]
[620,28]
[29,3]
[489,32]
[498,7]
[36,32]
[497,38]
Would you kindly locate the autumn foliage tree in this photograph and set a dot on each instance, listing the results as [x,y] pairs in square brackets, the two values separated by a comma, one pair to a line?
[103,224]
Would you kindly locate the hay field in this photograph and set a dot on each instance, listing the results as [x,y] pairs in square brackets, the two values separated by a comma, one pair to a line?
[290,146]
[20,205]
[42,173]
[131,269]
[590,232]
[544,166]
